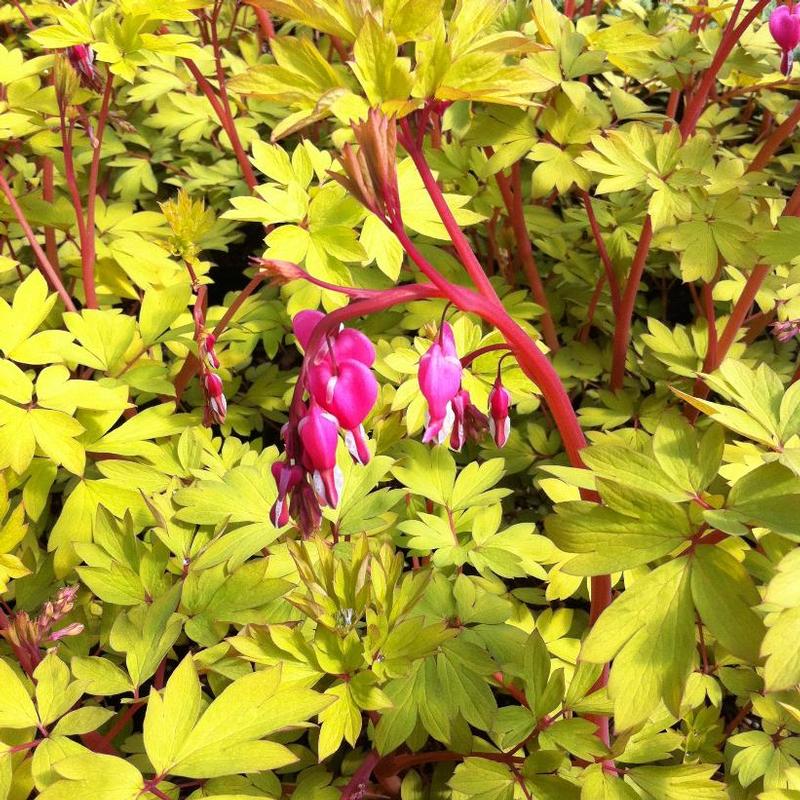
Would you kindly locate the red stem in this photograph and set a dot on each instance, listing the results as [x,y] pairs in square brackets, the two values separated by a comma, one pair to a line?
[77,204]
[489,348]
[740,311]
[233,134]
[48,195]
[120,723]
[693,111]
[89,252]
[190,366]
[775,140]
[611,276]
[512,198]
[226,121]
[459,240]
[25,17]
[730,37]
[622,331]
[44,264]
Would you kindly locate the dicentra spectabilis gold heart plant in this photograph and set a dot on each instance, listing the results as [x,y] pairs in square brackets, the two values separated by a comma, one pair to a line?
[399,399]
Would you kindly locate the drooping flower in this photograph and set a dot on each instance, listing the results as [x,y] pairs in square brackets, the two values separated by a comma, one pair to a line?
[439,380]
[348,390]
[499,422]
[342,391]
[319,434]
[287,477]
[216,406]
[784,25]
[469,423]
[81,56]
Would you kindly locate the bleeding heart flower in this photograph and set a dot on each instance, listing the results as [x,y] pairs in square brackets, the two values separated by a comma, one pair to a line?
[499,422]
[469,423]
[287,477]
[784,25]
[81,56]
[439,380]
[319,433]
[347,389]
[216,407]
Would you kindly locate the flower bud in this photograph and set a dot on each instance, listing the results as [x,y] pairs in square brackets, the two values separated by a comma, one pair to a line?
[499,422]
[207,352]
[786,330]
[439,380]
[287,477]
[216,406]
[81,56]
[469,424]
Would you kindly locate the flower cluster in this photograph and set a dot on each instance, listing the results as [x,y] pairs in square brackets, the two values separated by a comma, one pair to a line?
[26,636]
[341,393]
[215,406]
[784,25]
[451,412]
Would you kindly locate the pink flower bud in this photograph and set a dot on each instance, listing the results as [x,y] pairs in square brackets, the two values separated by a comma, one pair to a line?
[216,404]
[469,423]
[499,422]
[439,380]
[786,330]
[287,477]
[319,434]
[73,629]
[81,56]
[459,435]
[207,352]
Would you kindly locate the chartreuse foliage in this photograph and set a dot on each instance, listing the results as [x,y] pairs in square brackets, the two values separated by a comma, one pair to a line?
[444,634]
